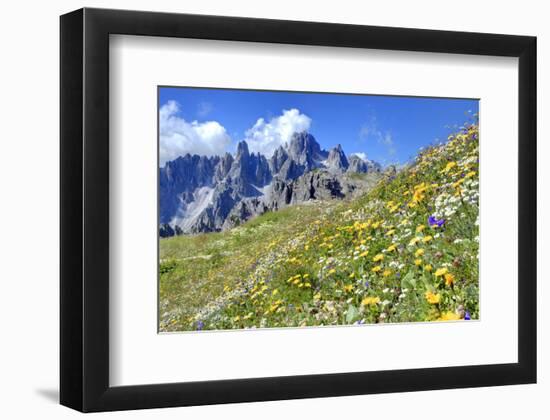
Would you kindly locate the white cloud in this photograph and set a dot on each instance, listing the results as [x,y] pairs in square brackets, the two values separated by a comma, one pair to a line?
[360,155]
[178,137]
[370,131]
[387,140]
[204,108]
[266,137]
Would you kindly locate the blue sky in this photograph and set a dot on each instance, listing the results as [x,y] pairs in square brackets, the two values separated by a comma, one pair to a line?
[388,129]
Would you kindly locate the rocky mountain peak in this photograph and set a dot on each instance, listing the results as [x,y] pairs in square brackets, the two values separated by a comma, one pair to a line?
[360,165]
[201,193]
[304,149]
[242,150]
[337,160]
[278,159]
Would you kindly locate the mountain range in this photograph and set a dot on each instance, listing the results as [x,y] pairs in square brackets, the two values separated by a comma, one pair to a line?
[213,193]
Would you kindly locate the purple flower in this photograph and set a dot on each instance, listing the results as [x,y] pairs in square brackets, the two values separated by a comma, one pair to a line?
[432,221]
[366,284]
[200,325]
[467,316]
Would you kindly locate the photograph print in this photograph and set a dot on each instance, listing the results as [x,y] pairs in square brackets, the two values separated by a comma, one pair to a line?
[302,209]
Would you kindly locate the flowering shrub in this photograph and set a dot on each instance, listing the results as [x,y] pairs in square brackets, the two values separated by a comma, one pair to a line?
[407,251]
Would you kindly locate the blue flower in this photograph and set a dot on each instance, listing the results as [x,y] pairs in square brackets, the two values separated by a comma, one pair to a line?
[366,284]
[433,221]
[467,316]
[200,325]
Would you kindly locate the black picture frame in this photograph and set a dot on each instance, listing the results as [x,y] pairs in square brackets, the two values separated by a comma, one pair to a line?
[84,283]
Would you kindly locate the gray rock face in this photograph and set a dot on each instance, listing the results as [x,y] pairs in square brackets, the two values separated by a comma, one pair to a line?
[337,160]
[358,165]
[179,178]
[207,194]
[305,151]
[223,167]
[315,185]
[277,160]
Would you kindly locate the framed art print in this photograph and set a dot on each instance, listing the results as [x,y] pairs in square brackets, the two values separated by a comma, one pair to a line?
[257,209]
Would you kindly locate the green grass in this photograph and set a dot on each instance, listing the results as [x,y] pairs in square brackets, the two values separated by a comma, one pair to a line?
[371,260]
[195,270]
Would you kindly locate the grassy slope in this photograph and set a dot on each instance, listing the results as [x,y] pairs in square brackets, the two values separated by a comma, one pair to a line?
[376,259]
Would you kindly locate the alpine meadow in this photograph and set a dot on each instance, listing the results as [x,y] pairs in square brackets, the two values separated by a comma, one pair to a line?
[284,209]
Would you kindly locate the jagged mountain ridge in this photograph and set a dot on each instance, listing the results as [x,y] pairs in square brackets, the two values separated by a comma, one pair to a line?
[206,194]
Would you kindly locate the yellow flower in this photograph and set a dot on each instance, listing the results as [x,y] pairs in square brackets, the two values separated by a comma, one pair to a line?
[427,239]
[417,196]
[370,300]
[390,232]
[376,269]
[414,241]
[305,276]
[352,275]
[470,174]
[317,296]
[432,297]
[420,228]
[391,248]
[386,273]
[441,271]
[307,284]
[378,257]
[458,183]
[364,253]
[332,271]
[418,261]
[237,318]
[449,316]
[348,287]
[449,166]
[449,279]
[419,252]
[428,267]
